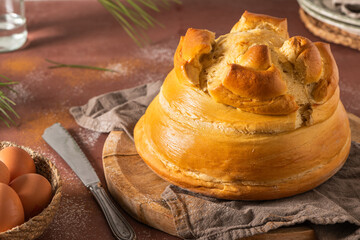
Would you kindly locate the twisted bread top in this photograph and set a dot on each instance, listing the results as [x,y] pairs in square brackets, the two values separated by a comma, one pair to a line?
[257,67]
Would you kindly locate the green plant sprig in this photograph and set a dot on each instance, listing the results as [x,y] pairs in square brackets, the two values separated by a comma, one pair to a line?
[61,65]
[6,104]
[133,17]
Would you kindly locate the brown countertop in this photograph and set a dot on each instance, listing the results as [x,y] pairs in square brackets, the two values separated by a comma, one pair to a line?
[82,32]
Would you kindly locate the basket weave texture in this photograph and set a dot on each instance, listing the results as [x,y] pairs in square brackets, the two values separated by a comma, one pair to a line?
[35,226]
[328,32]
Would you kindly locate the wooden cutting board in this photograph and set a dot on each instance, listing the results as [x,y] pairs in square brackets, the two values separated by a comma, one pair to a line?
[138,190]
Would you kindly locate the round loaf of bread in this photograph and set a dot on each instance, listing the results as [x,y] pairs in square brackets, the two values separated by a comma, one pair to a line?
[251,115]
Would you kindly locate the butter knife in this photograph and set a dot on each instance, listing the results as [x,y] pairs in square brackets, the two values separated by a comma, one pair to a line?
[62,142]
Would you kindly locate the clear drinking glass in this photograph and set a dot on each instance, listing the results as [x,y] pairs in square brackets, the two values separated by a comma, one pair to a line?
[13,31]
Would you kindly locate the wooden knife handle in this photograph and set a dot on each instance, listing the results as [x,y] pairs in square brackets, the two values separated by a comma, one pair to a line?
[120,227]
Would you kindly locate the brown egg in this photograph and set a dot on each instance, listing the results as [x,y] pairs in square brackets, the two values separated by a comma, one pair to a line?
[4,173]
[18,161]
[11,210]
[34,191]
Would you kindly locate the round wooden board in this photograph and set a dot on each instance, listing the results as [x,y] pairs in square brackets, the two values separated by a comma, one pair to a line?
[138,190]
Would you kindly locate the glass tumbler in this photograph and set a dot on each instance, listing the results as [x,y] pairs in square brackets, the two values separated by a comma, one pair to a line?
[13,31]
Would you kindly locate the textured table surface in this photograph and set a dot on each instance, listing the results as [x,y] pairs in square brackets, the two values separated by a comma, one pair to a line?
[82,32]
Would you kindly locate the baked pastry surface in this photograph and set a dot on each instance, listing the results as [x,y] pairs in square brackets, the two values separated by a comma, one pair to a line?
[251,115]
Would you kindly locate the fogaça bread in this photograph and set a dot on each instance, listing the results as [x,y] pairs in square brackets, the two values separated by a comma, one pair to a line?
[251,115]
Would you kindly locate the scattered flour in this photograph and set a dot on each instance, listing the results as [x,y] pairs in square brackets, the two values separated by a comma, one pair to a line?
[150,77]
[120,68]
[37,76]
[70,218]
[157,53]
[22,93]
[78,90]
[88,137]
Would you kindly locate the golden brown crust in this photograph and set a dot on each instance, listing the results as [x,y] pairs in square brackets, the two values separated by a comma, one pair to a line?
[305,56]
[249,83]
[284,104]
[192,46]
[253,82]
[196,42]
[250,21]
[328,83]
[257,57]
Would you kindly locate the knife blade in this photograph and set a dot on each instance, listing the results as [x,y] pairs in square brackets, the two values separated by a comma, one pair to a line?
[62,142]
[65,145]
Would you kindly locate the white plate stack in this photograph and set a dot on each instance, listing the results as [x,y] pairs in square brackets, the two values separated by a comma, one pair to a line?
[334,20]
[344,14]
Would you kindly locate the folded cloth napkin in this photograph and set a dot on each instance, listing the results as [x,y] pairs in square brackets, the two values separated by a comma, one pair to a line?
[333,209]
[119,110]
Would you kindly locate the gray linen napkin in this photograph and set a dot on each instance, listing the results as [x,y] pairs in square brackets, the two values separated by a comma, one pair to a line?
[119,110]
[333,208]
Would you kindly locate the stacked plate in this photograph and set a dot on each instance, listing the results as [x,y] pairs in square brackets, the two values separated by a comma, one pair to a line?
[326,11]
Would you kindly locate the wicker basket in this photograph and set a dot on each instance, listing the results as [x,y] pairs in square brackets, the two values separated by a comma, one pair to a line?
[35,226]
